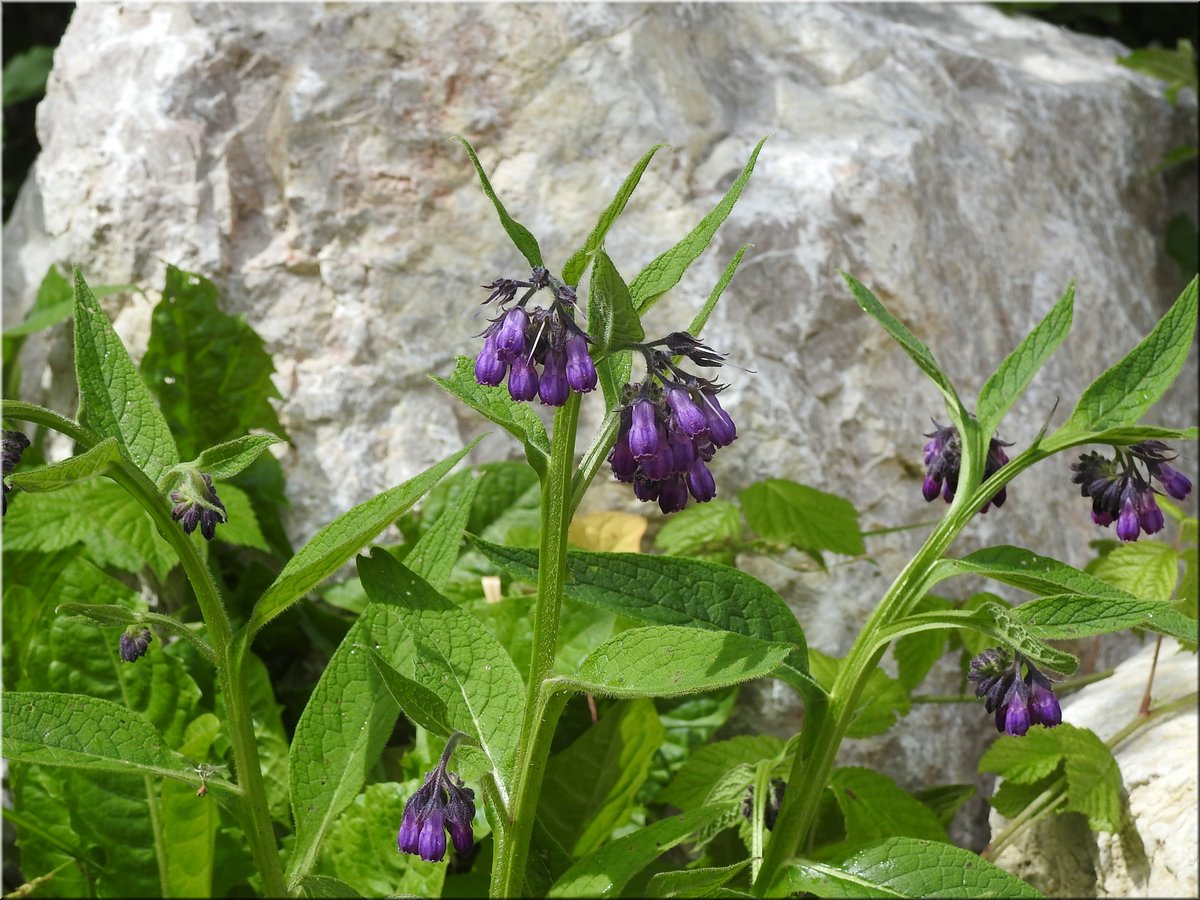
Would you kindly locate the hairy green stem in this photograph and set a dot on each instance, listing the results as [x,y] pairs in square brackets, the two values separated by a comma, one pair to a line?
[537,726]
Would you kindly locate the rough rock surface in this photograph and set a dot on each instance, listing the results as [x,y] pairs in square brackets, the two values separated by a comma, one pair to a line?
[1156,857]
[962,163]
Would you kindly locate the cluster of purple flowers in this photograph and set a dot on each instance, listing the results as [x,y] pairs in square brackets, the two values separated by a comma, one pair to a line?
[943,458]
[441,804]
[671,425]
[134,643]
[13,445]
[196,503]
[1017,702]
[520,339]
[1121,493]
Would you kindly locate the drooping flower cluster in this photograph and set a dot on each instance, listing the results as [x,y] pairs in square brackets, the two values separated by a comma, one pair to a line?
[13,445]
[441,804]
[1121,493]
[671,425]
[1017,702]
[943,458]
[521,339]
[134,643]
[774,801]
[196,503]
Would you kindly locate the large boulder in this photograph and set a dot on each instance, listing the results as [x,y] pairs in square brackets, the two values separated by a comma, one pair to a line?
[964,164]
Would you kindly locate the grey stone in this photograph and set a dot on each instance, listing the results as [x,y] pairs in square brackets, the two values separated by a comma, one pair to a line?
[962,163]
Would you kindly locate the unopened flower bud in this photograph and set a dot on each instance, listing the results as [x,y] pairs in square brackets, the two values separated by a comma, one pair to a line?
[581,371]
[134,643]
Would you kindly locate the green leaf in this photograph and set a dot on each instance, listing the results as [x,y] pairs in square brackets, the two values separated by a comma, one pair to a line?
[695,527]
[874,807]
[666,591]
[1068,616]
[1027,570]
[105,457]
[710,304]
[1181,238]
[612,321]
[574,267]
[1149,569]
[416,701]
[945,799]
[334,544]
[518,419]
[1176,67]
[113,399]
[904,867]
[1019,367]
[112,614]
[808,519]
[210,371]
[242,526]
[189,822]
[324,886]
[457,658]
[226,460]
[518,233]
[711,764]
[1122,395]
[606,872]
[664,272]
[883,700]
[1135,434]
[693,882]
[589,787]
[437,549]
[83,732]
[911,344]
[669,660]
[25,75]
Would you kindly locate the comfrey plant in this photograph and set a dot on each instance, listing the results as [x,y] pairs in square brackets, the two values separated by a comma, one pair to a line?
[558,716]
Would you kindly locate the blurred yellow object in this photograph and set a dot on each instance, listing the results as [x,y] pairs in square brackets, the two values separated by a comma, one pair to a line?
[608,531]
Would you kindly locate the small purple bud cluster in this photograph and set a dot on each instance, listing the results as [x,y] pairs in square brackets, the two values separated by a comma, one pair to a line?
[671,425]
[774,801]
[1121,493]
[441,804]
[943,458]
[520,339]
[13,445]
[134,643]
[1017,703]
[198,505]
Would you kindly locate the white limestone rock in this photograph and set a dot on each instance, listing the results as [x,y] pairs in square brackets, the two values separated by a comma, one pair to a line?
[1157,855]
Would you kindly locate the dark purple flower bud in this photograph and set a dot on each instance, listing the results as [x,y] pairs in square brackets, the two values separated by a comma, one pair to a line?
[931,487]
[643,432]
[683,451]
[1016,714]
[1043,705]
[581,371]
[197,503]
[992,671]
[1102,517]
[662,463]
[689,418]
[522,380]
[489,367]
[554,389]
[646,490]
[12,446]
[1174,482]
[721,430]
[431,842]
[133,644]
[410,828]
[460,811]
[510,338]
[700,481]
[442,803]
[673,494]
[624,466]
[1128,526]
[1150,517]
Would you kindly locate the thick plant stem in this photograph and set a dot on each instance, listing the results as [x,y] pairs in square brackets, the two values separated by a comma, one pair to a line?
[537,727]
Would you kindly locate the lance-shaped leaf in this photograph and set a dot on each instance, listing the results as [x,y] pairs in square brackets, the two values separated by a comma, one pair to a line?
[1122,395]
[113,399]
[612,321]
[81,732]
[667,590]
[710,304]
[692,882]
[1135,434]
[671,660]
[338,541]
[105,457]
[1027,570]
[664,272]
[522,239]
[1010,380]
[226,460]
[494,403]
[1069,616]
[912,345]
[457,658]
[574,267]
[417,702]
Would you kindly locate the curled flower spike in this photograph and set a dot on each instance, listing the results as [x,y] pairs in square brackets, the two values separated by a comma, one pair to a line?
[134,643]
[196,503]
[671,425]
[1017,703]
[943,459]
[13,446]
[521,339]
[774,801]
[1120,491]
[441,804]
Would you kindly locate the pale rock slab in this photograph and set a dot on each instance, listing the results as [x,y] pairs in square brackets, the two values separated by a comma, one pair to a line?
[1157,856]
[963,164]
